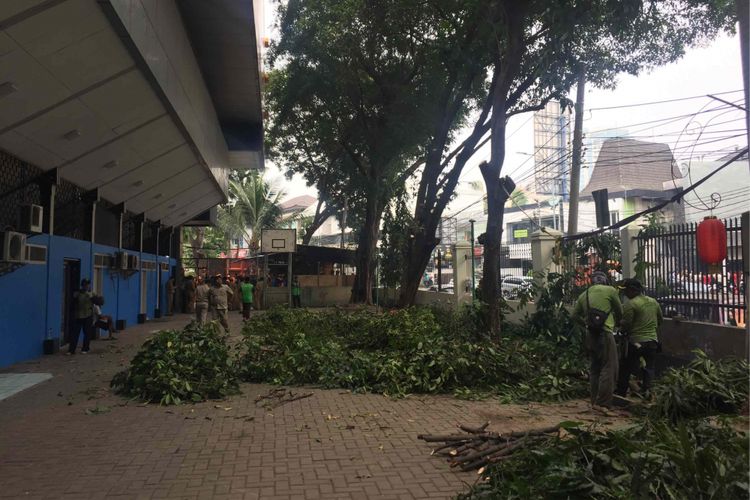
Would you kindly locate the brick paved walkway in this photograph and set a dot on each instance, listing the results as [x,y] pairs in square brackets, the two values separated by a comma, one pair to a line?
[69,437]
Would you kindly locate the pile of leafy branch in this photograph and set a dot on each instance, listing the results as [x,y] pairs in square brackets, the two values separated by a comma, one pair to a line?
[414,350]
[652,459]
[175,366]
[701,388]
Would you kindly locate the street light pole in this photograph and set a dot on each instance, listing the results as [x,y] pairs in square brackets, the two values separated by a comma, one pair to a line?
[473,284]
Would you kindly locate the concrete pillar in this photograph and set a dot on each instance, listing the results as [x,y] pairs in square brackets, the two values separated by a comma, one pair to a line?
[462,273]
[629,246]
[542,251]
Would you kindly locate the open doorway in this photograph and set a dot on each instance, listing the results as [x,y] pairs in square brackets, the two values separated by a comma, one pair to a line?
[71,283]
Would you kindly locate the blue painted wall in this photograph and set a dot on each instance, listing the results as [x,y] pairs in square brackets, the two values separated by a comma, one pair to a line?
[31,298]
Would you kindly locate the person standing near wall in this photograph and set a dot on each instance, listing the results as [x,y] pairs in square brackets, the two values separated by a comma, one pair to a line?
[84,312]
[641,319]
[219,298]
[296,293]
[190,294]
[246,288]
[170,295]
[599,308]
[201,301]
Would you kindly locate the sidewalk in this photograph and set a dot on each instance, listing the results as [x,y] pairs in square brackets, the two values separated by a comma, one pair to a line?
[69,437]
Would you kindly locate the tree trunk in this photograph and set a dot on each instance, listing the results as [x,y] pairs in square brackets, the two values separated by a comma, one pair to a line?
[496,198]
[418,256]
[366,248]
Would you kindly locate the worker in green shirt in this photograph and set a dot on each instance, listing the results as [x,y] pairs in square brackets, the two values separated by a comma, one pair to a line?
[641,318]
[296,293]
[599,308]
[246,289]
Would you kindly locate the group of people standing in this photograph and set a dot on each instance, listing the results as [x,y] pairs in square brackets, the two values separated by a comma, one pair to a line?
[223,295]
[638,319]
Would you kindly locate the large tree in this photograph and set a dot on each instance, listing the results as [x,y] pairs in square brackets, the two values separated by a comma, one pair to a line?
[355,96]
[541,47]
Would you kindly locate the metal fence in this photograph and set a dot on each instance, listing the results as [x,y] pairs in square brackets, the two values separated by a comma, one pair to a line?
[668,263]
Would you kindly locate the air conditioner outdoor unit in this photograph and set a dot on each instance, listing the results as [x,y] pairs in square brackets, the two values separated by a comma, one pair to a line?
[31,218]
[133,264]
[13,246]
[121,261]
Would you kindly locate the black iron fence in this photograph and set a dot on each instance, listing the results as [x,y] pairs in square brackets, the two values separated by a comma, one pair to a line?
[667,262]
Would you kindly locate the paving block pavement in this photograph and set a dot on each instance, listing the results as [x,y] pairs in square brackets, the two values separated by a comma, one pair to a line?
[70,437]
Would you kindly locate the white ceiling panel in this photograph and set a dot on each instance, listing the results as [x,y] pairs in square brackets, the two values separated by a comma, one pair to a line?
[196,192]
[58,27]
[49,130]
[29,151]
[35,88]
[175,217]
[124,102]
[155,138]
[149,173]
[10,8]
[168,190]
[96,168]
[88,61]
[6,44]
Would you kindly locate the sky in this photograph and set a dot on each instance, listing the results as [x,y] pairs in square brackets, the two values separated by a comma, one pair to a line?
[713,69]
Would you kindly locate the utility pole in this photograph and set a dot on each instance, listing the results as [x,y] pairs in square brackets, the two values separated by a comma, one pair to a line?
[575,170]
[473,284]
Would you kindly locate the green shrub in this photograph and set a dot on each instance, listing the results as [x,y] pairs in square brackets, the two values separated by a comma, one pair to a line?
[414,350]
[701,388]
[175,366]
[649,460]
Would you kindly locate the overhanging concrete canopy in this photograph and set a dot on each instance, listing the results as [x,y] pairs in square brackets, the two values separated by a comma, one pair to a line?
[224,37]
[110,93]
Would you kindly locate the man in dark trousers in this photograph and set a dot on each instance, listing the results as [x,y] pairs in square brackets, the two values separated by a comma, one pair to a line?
[296,293]
[641,318]
[246,289]
[84,312]
[599,308]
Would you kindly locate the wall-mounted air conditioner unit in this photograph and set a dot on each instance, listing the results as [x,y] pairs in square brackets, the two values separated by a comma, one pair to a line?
[134,263]
[36,254]
[13,246]
[121,261]
[31,218]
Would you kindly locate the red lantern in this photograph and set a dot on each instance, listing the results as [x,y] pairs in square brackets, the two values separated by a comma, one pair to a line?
[712,241]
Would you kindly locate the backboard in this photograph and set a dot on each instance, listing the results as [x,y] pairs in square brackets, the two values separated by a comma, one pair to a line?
[278,240]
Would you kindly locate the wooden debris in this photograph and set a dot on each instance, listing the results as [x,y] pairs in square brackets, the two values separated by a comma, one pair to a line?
[279,397]
[478,447]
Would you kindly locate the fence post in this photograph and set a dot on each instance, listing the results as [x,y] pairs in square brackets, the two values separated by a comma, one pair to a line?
[462,273]
[542,250]
[745,239]
[629,248]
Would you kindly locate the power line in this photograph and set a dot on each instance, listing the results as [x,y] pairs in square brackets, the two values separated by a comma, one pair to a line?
[664,101]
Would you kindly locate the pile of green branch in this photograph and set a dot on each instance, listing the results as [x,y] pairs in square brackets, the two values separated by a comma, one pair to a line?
[175,366]
[478,448]
[414,350]
[694,459]
[701,388]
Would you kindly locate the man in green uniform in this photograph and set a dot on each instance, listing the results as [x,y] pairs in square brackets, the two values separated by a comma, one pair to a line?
[600,310]
[246,289]
[296,293]
[641,318]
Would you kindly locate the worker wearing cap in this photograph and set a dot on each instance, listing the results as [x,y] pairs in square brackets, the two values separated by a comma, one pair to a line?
[600,298]
[641,318]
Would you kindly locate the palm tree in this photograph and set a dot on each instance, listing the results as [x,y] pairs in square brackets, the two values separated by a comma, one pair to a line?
[254,205]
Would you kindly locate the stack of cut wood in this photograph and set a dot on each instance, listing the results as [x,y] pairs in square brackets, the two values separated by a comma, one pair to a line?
[478,447]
